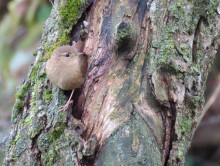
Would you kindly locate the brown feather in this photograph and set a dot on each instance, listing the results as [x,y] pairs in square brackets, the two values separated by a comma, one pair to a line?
[67,72]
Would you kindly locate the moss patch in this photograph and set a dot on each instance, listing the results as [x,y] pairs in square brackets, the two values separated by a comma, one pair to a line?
[48,95]
[56,133]
[19,103]
[69,12]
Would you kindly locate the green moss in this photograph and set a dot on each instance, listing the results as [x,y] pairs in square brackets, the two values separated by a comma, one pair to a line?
[180,156]
[28,120]
[185,125]
[176,10]
[35,128]
[70,12]
[48,95]
[24,88]
[62,116]
[56,133]
[18,136]
[63,39]
[193,101]
[204,8]
[168,46]
[51,157]
[33,103]
[123,36]
[21,94]
[34,94]
[44,142]
[208,8]
[19,104]
[34,73]
[184,130]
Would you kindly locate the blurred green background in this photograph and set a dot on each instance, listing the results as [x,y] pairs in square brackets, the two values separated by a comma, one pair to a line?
[21,25]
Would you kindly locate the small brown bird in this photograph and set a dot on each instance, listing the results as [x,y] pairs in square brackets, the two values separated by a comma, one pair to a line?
[67,69]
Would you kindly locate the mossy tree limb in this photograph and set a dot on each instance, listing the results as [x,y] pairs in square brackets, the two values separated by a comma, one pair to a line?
[41,134]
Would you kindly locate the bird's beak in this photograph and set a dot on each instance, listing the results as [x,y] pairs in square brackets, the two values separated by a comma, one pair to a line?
[81,54]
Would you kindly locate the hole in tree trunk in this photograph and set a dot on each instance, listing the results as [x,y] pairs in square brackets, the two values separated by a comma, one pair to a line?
[76,110]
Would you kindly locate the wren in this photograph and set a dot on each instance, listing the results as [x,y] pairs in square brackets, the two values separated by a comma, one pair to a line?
[67,69]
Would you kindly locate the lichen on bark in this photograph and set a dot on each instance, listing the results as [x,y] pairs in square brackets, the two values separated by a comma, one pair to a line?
[179,48]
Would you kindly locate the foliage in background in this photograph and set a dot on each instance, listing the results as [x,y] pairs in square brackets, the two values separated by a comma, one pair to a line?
[21,25]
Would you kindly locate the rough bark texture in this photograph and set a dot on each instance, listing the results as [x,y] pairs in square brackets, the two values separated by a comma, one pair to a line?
[143,94]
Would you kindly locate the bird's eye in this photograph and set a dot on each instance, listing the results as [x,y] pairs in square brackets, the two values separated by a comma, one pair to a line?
[66,55]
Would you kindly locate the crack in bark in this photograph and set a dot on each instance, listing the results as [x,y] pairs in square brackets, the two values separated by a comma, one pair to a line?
[195,40]
[170,120]
[27,101]
[167,141]
[34,147]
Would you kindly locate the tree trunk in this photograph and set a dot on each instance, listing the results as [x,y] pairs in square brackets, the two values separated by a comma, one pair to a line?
[143,94]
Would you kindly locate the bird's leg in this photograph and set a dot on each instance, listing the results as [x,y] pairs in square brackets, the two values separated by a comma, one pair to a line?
[68,103]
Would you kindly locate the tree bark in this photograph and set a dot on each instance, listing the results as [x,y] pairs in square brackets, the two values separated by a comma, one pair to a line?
[144,91]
